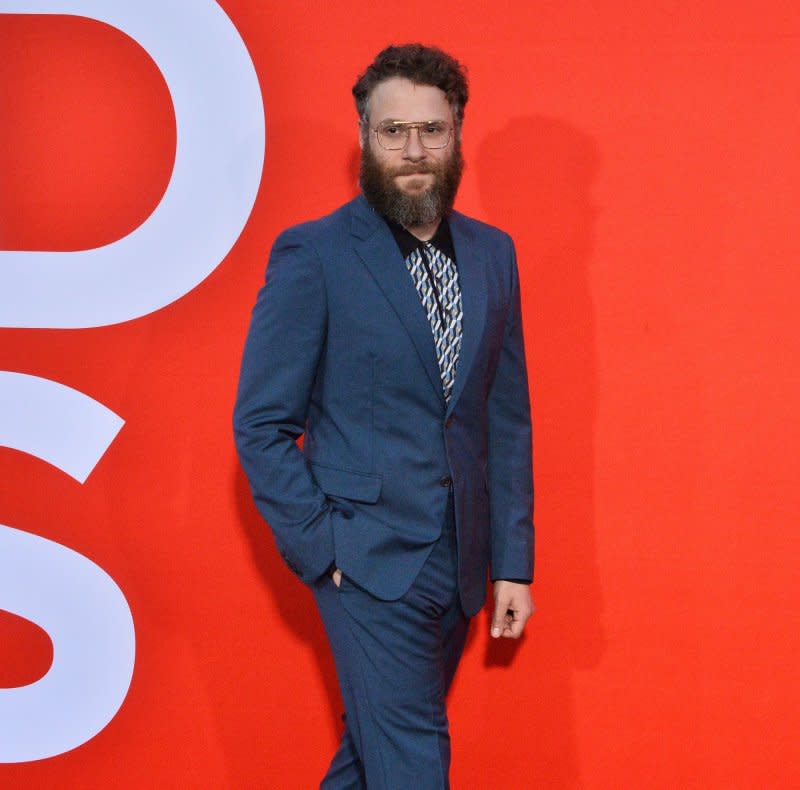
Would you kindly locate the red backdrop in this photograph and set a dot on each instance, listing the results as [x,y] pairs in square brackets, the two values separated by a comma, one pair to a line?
[644,156]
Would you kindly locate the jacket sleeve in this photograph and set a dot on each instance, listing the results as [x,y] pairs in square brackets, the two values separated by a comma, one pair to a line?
[510,467]
[283,349]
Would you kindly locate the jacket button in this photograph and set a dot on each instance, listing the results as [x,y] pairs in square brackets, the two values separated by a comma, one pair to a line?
[448,422]
[446,481]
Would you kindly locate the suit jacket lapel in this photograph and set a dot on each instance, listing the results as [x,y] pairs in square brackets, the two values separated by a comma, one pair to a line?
[472,264]
[378,250]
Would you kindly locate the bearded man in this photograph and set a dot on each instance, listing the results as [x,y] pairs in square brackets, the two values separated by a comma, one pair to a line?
[389,333]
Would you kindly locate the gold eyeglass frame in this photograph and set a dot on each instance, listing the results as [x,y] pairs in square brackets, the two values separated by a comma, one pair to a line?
[408,126]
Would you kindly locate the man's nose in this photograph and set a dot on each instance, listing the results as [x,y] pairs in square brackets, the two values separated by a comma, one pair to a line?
[414,148]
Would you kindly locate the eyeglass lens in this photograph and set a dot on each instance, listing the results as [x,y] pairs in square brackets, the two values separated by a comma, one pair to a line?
[394,135]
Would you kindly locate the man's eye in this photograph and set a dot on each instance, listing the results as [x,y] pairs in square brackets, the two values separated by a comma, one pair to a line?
[391,130]
[433,128]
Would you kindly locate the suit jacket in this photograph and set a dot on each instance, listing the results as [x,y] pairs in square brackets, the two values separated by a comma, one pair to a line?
[340,349]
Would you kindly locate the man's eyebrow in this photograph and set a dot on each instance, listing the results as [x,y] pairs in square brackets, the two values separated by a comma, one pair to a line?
[426,120]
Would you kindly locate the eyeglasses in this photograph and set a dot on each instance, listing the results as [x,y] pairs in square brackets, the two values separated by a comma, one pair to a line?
[393,135]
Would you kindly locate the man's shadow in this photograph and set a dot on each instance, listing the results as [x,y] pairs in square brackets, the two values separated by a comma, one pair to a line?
[298,610]
[302,157]
[535,177]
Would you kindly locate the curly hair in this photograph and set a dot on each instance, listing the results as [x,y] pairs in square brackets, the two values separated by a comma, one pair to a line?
[421,65]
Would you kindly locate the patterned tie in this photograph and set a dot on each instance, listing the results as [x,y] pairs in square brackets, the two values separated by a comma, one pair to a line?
[436,280]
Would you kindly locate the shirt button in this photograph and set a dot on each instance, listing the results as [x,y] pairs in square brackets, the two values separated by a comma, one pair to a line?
[446,481]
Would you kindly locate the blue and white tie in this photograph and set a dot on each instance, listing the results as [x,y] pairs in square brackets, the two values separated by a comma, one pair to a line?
[441,299]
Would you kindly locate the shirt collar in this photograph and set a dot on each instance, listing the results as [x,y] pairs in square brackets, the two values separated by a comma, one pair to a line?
[408,242]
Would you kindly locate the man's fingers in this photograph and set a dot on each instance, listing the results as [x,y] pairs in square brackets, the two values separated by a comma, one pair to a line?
[509,619]
[513,625]
[501,617]
[513,606]
[516,626]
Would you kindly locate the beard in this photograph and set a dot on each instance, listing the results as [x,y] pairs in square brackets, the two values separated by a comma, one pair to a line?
[378,185]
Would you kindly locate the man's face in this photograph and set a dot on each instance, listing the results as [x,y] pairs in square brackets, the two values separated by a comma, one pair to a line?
[413,185]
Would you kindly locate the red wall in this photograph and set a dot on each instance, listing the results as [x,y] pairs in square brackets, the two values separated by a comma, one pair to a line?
[644,156]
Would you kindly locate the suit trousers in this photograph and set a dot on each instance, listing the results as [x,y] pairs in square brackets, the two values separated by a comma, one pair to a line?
[395,661]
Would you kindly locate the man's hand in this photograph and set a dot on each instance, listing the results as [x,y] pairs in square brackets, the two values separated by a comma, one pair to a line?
[512,608]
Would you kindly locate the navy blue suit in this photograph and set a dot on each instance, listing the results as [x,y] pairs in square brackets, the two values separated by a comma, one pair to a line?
[340,349]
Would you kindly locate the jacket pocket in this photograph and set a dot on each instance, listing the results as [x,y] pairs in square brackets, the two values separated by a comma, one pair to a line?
[358,486]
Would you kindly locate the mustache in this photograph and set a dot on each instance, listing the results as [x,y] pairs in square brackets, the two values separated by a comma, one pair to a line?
[412,170]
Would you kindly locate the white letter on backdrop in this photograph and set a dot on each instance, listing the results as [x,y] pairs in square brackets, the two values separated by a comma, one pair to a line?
[218,163]
[78,604]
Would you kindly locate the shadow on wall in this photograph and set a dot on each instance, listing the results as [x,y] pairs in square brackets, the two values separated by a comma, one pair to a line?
[535,177]
[305,152]
[298,610]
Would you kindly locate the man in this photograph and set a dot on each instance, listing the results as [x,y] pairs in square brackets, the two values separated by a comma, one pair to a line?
[389,332]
